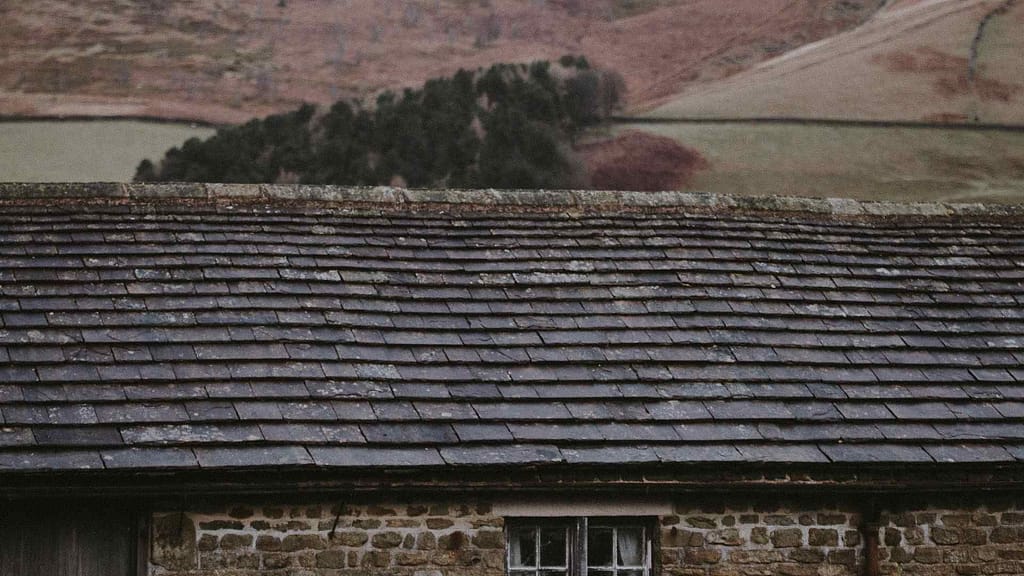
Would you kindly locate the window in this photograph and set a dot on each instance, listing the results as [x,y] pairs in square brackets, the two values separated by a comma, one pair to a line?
[579,547]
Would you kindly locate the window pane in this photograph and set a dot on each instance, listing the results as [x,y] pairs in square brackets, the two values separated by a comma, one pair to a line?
[630,547]
[552,573]
[524,549]
[599,547]
[631,572]
[552,547]
[593,572]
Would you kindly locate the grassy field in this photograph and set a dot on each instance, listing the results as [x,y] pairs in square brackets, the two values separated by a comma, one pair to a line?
[103,150]
[871,163]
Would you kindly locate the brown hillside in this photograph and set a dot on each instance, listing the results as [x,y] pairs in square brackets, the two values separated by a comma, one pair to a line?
[919,60]
[227,60]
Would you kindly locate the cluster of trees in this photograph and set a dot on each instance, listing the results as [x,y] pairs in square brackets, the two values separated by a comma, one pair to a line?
[508,126]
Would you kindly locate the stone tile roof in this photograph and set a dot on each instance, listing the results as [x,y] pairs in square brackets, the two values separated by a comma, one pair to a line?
[157,328]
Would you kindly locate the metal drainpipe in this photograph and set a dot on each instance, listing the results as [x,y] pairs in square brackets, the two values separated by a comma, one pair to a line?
[869,528]
[871,560]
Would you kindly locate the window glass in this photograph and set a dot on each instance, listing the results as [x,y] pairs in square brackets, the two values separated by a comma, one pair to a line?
[630,547]
[553,547]
[548,548]
[599,547]
[523,548]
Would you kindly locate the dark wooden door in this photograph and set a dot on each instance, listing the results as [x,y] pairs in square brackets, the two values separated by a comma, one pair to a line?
[67,540]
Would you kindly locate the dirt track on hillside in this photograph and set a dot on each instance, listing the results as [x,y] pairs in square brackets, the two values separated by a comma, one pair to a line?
[925,60]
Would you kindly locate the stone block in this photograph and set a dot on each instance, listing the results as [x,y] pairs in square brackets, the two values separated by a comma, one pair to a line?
[843,557]
[984,519]
[426,541]
[221,525]
[787,538]
[350,538]
[489,539]
[276,561]
[914,536]
[439,523]
[401,523]
[703,522]
[452,542]
[206,543]
[295,542]
[956,520]
[759,535]
[414,510]
[676,538]
[830,518]
[901,555]
[386,540]
[724,537]
[376,559]
[823,537]
[235,541]
[927,555]
[702,556]
[904,520]
[1006,535]
[173,542]
[945,536]
[330,559]
[975,536]
[807,555]
[412,558]
[755,557]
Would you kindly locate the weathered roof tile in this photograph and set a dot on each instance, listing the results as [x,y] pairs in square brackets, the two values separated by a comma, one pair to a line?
[634,337]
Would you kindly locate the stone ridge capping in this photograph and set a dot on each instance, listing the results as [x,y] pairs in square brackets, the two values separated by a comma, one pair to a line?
[583,200]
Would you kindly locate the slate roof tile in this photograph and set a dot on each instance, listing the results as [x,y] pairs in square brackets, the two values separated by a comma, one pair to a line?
[360,457]
[253,456]
[162,458]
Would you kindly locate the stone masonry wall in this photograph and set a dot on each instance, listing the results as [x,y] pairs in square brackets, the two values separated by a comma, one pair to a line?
[961,542]
[426,539]
[467,539]
[760,540]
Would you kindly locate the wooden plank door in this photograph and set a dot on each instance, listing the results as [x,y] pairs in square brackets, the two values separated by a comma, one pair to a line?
[66,540]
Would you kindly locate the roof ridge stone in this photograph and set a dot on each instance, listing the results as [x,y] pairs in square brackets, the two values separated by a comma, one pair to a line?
[563,200]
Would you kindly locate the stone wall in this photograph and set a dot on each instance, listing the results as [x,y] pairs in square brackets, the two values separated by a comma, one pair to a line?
[756,540]
[421,539]
[700,539]
[988,539]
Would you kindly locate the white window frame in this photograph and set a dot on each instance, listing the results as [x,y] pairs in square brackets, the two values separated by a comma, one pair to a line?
[577,530]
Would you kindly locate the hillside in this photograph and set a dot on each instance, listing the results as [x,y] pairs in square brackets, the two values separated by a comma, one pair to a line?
[227,60]
[915,60]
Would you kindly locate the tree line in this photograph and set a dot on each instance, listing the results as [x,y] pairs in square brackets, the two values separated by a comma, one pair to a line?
[507,126]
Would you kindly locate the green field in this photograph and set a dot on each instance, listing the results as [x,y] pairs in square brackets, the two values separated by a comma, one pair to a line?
[863,162]
[83,151]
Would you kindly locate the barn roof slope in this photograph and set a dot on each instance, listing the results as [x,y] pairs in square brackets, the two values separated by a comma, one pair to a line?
[197,327]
